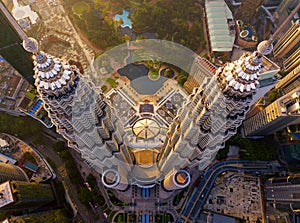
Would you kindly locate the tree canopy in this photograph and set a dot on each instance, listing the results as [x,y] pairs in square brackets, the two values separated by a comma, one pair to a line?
[174,20]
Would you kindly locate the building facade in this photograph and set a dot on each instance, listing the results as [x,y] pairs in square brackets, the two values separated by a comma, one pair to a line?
[285,8]
[290,82]
[289,42]
[200,70]
[115,147]
[212,113]
[148,139]
[293,60]
[80,114]
[281,113]
[11,47]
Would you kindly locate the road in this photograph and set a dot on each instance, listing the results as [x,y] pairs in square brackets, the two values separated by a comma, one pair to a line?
[195,202]
[282,193]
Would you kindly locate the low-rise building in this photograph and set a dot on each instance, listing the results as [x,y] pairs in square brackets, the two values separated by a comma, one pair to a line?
[221,27]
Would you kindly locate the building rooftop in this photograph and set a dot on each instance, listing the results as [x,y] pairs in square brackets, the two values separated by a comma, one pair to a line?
[6,196]
[29,193]
[221,25]
[146,128]
[3,143]
[268,66]
[268,71]
[30,166]
[7,159]
[22,12]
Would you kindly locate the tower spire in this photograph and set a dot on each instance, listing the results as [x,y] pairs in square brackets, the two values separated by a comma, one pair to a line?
[266,47]
[29,44]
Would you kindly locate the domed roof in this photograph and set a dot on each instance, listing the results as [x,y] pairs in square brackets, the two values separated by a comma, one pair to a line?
[146,128]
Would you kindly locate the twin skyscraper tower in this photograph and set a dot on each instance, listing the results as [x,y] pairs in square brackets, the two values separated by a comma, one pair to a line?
[144,139]
[147,149]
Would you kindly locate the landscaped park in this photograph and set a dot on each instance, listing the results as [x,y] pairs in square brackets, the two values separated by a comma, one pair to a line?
[80,8]
[145,75]
[101,22]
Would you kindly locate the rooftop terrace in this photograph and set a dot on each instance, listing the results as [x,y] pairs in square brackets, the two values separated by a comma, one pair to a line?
[6,196]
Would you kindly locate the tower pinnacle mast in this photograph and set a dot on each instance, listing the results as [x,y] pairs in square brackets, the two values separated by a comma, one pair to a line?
[29,44]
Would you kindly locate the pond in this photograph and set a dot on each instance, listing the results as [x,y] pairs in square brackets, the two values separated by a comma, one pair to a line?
[134,71]
[124,17]
[139,79]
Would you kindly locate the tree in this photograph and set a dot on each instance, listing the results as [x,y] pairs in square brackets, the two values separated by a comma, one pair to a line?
[59,146]
[28,156]
[170,19]
[97,197]
[274,94]
[222,153]
[103,88]
[85,196]
[182,77]
[92,181]
[73,172]
[168,73]
[262,149]
[126,38]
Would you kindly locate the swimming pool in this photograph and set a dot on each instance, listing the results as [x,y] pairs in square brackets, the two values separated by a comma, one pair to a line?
[36,107]
[124,17]
[249,30]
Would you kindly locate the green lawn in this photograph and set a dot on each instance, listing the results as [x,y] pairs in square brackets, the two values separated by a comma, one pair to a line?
[104,88]
[30,95]
[112,82]
[80,8]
